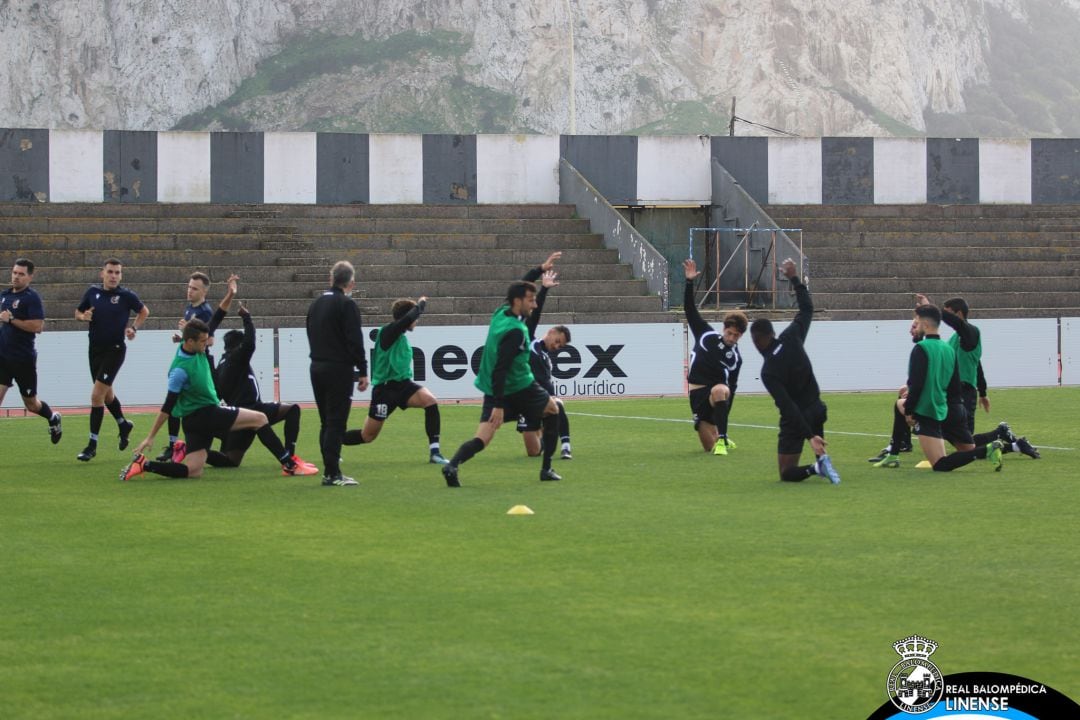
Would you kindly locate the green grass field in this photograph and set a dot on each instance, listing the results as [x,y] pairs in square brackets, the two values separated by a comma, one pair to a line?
[654,581]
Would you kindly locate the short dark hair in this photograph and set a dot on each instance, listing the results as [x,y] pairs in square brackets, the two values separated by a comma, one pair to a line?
[233,338]
[28,264]
[112,261]
[342,273]
[201,277]
[929,312]
[564,330]
[958,305]
[194,328]
[736,319]
[519,289]
[401,308]
[762,327]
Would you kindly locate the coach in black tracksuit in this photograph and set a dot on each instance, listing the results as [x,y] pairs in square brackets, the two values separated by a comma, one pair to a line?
[789,377]
[336,340]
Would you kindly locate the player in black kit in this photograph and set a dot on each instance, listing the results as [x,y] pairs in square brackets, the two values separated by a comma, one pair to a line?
[106,308]
[237,386]
[714,369]
[22,317]
[540,361]
[789,377]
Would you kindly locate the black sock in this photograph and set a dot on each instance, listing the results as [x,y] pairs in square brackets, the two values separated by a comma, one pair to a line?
[45,411]
[174,429]
[564,425]
[468,449]
[168,469]
[900,431]
[720,417]
[550,439]
[797,474]
[353,437]
[959,459]
[219,459]
[292,428]
[272,442]
[97,414]
[116,410]
[432,425]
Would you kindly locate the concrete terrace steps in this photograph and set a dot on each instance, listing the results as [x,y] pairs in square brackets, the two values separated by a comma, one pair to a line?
[461,257]
[206,225]
[271,212]
[987,313]
[1006,261]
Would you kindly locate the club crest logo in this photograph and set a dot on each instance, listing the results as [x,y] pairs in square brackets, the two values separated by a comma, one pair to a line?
[115,299]
[15,305]
[915,685]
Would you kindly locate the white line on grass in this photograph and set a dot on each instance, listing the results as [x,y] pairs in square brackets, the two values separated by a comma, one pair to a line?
[758,427]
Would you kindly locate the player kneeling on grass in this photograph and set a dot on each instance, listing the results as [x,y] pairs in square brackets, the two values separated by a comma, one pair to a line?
[392,384]
[193,399]
[934,376]
[713,373]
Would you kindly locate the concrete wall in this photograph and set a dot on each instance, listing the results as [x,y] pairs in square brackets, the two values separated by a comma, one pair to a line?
[332,168]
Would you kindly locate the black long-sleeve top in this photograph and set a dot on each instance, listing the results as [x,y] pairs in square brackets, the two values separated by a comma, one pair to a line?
[539,358]
[234,378]
[786,372]
[712,360]
[393,330]
[969,340]
[334,331]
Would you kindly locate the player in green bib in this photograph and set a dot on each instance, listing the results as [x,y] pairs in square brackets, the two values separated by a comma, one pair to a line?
[508,385]
[933,378]
[392,385]
[193,399]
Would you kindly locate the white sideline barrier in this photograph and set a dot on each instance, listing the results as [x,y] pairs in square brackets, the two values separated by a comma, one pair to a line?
[602,360]
[1070,351]
[64,372]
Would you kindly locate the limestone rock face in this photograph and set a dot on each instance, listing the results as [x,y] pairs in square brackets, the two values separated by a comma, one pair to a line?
[812,67]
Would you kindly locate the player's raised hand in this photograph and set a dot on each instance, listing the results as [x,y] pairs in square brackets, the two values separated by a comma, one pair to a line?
[550,262]
[788,266]
[921,300]
[690,269]
[549,279]
[231,283]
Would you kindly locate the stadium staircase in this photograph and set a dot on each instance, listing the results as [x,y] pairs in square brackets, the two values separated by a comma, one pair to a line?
[1007,261]
[461,257]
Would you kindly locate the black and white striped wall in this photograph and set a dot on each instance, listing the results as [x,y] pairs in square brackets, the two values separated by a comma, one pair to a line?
[334,168]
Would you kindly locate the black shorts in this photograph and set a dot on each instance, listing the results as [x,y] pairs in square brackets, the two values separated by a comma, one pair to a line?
[23,372]
[527,405]
[207,423]
[790,438]
[700,408]
[241,439]
[389,396]
[106,361]
[953,429]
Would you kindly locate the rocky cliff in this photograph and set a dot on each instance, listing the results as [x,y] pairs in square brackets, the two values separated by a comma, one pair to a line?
[824,67]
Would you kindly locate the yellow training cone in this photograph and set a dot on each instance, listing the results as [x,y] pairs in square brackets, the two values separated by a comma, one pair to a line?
[520,510]
[924,465]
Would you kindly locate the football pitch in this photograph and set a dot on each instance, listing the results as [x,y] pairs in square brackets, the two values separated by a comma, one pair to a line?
[655,581]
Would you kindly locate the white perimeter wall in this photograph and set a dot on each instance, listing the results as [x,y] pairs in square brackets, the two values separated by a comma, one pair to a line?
[517,169]
[183,174]
[650,358]
[290,166]
[75,165]
[899,170]
[396,168]
[1004,171]
[675,171]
